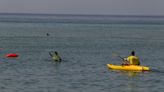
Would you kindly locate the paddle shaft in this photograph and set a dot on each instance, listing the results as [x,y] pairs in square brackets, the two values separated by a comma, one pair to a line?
[121,57]
[123,60]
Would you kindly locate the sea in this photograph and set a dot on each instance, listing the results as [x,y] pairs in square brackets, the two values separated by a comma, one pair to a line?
[85,43]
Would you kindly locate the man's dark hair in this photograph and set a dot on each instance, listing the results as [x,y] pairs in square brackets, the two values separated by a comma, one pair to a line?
[133,53]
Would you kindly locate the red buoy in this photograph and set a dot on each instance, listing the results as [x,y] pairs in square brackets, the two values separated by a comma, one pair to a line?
[11,55]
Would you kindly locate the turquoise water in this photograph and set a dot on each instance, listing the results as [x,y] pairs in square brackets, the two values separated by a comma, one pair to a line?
[85,44]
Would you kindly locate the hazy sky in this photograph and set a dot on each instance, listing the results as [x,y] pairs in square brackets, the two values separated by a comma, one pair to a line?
[127,7]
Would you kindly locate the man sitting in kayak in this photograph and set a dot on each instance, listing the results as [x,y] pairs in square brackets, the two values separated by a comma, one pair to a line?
[131,60]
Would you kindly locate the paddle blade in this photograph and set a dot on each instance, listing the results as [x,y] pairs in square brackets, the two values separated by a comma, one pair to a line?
[115,54]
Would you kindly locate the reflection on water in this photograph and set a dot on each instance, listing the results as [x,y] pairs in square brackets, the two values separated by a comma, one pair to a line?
[131,87]
[130,73]
[132,81]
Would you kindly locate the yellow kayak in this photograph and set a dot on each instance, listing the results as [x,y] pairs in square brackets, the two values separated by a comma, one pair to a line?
[128,67]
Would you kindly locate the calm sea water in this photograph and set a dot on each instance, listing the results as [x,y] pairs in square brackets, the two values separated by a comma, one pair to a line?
[85,44]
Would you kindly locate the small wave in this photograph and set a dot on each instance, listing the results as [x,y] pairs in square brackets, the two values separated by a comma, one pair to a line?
[158,71]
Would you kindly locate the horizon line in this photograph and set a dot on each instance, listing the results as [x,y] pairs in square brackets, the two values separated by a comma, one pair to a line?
[116,15]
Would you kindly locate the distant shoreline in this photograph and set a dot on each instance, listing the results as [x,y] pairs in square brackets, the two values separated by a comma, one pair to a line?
[104,15]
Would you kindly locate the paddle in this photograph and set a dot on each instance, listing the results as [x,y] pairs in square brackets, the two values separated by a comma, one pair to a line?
[117,55]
